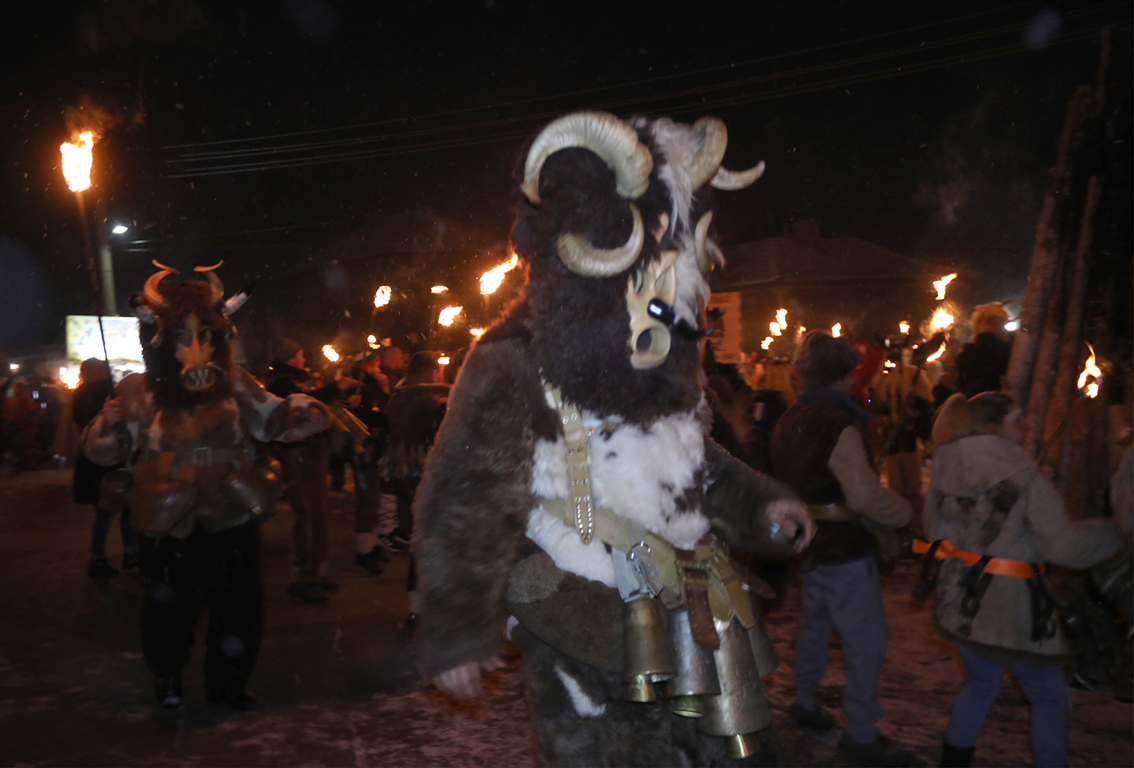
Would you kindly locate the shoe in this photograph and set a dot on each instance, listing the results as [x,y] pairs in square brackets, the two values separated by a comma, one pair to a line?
[241,701]
[373,561]
[327,585]
[877,752]
[956,757]
[129,561]
[394,542]
[307,592]
[810,718]
[168,691]
[100,569]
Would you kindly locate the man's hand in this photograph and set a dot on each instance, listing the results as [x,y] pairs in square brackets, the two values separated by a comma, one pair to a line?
[792,517]
[464,681]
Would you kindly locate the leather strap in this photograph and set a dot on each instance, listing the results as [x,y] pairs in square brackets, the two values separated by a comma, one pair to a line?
[997,566]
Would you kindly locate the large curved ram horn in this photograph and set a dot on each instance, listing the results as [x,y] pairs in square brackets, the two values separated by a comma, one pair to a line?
[584,259]
[701,244]
[729,180]
[214,281]
[602,133]
[714,140]
[151,291]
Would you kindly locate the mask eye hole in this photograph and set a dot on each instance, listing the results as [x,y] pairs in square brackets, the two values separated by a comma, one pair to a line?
[183,337]
[204,336]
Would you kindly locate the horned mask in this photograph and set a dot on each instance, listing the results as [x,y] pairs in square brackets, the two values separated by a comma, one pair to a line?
[681,252]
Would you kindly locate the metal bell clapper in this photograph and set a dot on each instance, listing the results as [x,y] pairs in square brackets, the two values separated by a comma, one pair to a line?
[741,709]
[696,669]
[649,659]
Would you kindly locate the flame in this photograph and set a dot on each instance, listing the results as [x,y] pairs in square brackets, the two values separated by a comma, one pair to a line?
[1012,325]
[781,317]
[941,320]
[69,376]
[330,353]
[766,343]
[802,329]
[476,332]
[382,296]
[77,162]
[439,289]
[1090,375]
[903,328]
[942,284]
[775,328]
[448,315]
[492,279]
[837,330]
[890,364]
[443,361]
[372,340]
[936,355]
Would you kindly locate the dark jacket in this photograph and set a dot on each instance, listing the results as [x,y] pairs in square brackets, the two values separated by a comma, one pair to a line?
[284,380]
[87,402]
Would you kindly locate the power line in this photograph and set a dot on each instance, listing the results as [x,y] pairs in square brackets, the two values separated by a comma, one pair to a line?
[627,84]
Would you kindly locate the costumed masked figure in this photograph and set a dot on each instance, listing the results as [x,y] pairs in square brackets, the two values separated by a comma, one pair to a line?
[193,482]
[573,486]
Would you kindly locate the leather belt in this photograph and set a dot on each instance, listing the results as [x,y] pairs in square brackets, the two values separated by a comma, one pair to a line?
[998,566]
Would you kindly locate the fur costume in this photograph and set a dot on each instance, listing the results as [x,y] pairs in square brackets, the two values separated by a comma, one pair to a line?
[613,231]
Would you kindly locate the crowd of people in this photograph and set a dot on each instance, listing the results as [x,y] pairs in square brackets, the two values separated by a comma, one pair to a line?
[823,423]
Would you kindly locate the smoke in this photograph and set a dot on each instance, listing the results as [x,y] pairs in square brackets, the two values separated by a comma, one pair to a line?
[98,119]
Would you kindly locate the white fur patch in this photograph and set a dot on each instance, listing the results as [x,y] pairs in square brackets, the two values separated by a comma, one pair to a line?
[638,473]
[583,703]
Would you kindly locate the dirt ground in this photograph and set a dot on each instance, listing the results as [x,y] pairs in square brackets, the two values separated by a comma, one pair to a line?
[337,682]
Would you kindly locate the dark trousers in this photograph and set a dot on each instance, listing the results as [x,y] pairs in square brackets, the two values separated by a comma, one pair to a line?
[101,528]
[219,570]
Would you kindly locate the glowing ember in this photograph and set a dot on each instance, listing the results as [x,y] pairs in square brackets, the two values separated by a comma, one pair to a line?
[942,284]
[448,315]
[936,355]
[330,353]
[766,343]
[1090,376]
[781,317]
[382,296]
[941,320]
[492,279]
[775,328]
[439,289]
[476,332]
[837,330]
[77,162]
[903,328]
[442,361]
[69,377]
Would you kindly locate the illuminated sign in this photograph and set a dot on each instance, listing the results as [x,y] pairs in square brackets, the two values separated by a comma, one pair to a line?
[121,338]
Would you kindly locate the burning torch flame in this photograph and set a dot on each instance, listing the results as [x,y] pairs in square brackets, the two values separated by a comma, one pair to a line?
[1090,376]
[936,355]
[781,317]
[442,361]
[890,364]
[372,340]
[439,289]
[69,376]
[941,320]
[775,328]
[476,332]
[942,284]
[766,343]
[77,162]
[837,330]
[330,353]
[382,296]
[448,315]
[492,279]
[904,328]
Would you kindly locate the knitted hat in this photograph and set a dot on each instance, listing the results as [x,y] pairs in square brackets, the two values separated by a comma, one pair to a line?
[281,349]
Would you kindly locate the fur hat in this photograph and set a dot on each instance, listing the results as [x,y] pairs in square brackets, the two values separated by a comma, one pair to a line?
[281,349]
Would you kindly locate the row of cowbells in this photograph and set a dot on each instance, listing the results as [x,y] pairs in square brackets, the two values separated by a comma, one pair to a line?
[722,688]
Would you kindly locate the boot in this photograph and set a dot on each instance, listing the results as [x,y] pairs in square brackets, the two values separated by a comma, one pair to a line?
[956,757]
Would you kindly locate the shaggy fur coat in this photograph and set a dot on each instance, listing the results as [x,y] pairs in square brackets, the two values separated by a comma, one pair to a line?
[987,496]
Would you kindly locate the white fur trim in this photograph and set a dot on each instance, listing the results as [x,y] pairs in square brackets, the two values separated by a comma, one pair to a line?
[583,703]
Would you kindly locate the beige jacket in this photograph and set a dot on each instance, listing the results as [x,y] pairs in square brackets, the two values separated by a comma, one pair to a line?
[987,496]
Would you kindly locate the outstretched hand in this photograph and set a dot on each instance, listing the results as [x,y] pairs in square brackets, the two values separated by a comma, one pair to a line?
[464,681]
[792,517]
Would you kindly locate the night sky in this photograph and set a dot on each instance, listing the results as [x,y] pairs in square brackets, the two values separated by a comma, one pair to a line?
[263,133]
